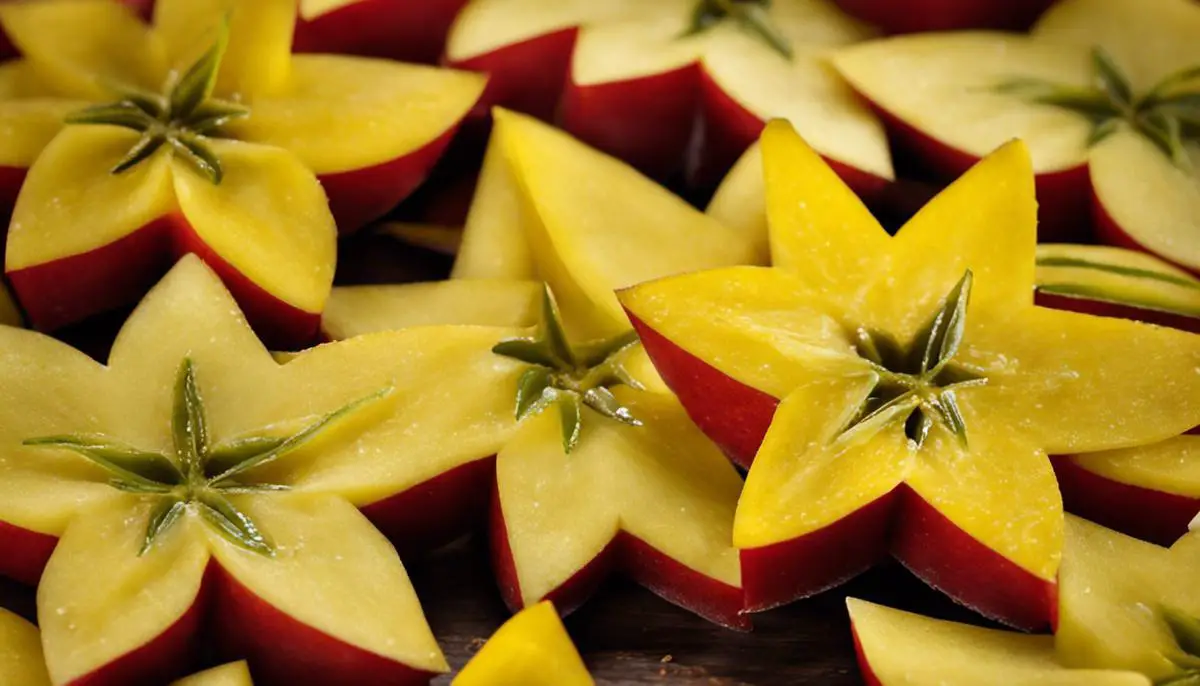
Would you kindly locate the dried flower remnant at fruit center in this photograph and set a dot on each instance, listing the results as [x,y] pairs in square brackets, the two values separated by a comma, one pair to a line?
[570,378]
[1168,115]
[182,118]
[751,15]
[199,475]
[1185,629]
[918,384]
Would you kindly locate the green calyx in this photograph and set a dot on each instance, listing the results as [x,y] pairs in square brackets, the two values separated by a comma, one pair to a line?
[1185,629]
[1168,115]
[183,119]
[570,378]
[199,475]
[749,14]
[918,384]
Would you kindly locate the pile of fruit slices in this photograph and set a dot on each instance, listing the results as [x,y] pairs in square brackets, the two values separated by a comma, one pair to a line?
[735,409]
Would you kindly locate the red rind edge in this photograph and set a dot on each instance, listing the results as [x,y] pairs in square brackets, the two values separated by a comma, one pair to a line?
[517,75]
[1107,308]
[25,553]
[404,31]
[738,423]
[864,667]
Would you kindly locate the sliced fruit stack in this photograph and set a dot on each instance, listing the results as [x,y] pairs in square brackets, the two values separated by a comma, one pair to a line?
[606,473]
[941,387]
[635,78]
[209,137]
[1111,124]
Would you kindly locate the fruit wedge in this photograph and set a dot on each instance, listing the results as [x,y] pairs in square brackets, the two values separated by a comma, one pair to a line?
[1126,604]
[1109,124]
[900,394]
[531,649]
[21,661]
[405,30]
[897,648]
[247,159]
[526,223]
[195,477]
[232,674]
[640,80]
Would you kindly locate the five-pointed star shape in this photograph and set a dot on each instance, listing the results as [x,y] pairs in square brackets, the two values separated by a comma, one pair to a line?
[331,602]
[782,362]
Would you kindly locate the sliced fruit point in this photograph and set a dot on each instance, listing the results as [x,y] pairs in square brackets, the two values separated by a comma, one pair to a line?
[232,674]
[1114,282]
[532,648]
[896,648]
[1151,492]
[437,238]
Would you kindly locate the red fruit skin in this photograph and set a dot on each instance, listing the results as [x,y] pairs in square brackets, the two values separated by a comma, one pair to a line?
[11,180]
[1063,196]
[646,122]
[728,129]
[25,553]
[437,511]
[70,289]
[864,667]
[783,572]
[360,196]
[282,650]
[168,656]
[1154,516]
[1109,232]
[628,555]
[733,415]
[953,562]
[913,16]
[527,77]
[405,30]
[1101,308]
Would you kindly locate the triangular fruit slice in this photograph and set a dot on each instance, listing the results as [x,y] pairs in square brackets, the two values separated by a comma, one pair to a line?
[531,649]
[232,674]
[897,648]
[1126,604]
[639,74]
[405,31]
[526,222]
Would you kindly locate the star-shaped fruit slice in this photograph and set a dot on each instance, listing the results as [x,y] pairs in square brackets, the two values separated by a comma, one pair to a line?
[897,648]
[632,78]
[406,30]
[900,394]
[605,473]
[531,649]
[196,492]
[1126,604]
[204,134]
[1112,127]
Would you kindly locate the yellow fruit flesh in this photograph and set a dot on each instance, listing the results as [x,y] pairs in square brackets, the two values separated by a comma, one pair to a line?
[355,310]
[311,9]
[334,572]
[338,113]
[268,218]
[232,674]
[1111,591]
[943,84]
[445,240]
[531,649]
[662,482]
[21,659]
[488,25]
[55,215]
[907,649]
[1172,466]
[54,390]
[1116,275]
[739,202]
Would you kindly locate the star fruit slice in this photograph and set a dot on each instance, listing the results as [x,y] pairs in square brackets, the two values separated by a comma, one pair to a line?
[525,223]
[1126,604]
[640,491]
[532,648]
[896,648]
[111,613]
[733,64]
[826,329]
